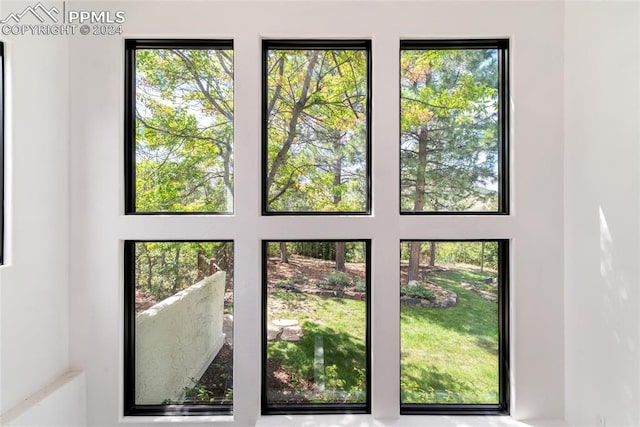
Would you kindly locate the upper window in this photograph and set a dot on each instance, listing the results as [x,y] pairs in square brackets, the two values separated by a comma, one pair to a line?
[316,127]
[453,127]
[179,127]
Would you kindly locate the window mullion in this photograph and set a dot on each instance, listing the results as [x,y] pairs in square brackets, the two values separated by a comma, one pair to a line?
[246,228]
[385,253]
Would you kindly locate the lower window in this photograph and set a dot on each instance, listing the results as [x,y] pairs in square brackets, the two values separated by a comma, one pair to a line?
[454,312]
[316,327]
[178,327]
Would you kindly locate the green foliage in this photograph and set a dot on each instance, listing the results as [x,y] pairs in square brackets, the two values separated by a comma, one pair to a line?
[291,281]
[336,280]
[317,130]
[452,253]
[326,250]
[198,392]
[184,130]
[449,121]
[164,268]
[417,291]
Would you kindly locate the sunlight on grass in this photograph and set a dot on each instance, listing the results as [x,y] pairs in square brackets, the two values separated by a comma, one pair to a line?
[451,355]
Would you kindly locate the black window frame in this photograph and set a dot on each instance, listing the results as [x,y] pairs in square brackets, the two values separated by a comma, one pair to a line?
[502,46]
[129,392]
[503,405]
[319,408]
[130,47]
[314,44]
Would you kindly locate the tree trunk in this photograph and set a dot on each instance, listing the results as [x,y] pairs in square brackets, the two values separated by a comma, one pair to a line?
[418,204]
[284,256]
[293,123]
[432,254]
[414,261]
[176,272]
[340,256]
[482,259]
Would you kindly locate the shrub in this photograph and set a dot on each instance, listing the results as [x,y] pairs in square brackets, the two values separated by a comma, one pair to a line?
[336,280]
[360,285]
[419,292]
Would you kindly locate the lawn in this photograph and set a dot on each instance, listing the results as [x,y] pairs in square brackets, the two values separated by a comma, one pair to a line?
[449,355]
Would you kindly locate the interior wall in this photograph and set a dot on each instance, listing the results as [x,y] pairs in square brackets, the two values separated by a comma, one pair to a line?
[601,213]
[34,308]
[535,226]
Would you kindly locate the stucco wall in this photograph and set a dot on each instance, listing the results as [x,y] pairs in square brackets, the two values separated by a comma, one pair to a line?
[177,339]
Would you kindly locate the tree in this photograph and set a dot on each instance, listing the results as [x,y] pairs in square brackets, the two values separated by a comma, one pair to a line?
[184,125]
[316,130]
[449,143]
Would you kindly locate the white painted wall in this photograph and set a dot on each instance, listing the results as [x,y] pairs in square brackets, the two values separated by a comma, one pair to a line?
[574,65]
[61,404]
[602,116]
[177,339]
[34,307]
[535,226]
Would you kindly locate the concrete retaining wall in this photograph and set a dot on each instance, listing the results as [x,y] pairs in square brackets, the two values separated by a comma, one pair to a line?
[177,339]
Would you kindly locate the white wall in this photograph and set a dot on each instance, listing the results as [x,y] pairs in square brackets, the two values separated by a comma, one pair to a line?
[177,339]
[536,225]
[34,309]
[602,83]
[61,404]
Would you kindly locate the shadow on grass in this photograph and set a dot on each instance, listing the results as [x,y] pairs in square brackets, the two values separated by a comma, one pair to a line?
[442,388]
[429,385]
[344,366]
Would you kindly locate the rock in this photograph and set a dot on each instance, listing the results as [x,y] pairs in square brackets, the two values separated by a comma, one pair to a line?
[273,332]
[291,333]
[284,330]
[466,285]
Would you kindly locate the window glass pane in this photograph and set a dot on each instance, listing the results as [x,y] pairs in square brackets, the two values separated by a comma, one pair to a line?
[183,324]
[450,138]
[316,315]
[183,130]
[450,333]
[316,130]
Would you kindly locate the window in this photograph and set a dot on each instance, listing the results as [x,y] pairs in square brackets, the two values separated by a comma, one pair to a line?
[316,137]
[178,293]
[315,319]
[178,327]
[324,257]
[179,121]
[453,127]
[454,327]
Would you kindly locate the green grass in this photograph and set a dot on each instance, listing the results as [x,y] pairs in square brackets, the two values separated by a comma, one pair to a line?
[448,355]
[341,324]
[451,355]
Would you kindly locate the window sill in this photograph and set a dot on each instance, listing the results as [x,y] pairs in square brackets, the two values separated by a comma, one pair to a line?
[143,419]
[408,421]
